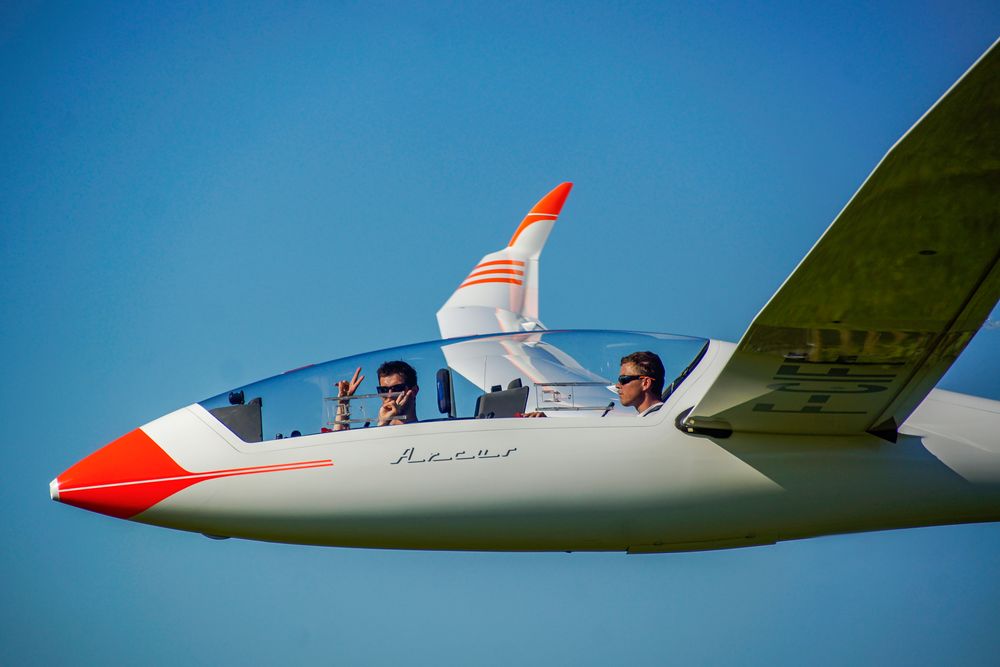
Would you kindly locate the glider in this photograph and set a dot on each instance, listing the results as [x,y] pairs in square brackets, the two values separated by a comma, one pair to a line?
[822,419]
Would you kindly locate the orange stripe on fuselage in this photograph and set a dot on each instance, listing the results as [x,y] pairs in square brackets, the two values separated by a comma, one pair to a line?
[209,474]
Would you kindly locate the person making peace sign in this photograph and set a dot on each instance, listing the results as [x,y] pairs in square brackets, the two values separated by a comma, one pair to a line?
[397,387]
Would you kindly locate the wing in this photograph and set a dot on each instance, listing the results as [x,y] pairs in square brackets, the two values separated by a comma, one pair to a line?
[500,293]
[891,293]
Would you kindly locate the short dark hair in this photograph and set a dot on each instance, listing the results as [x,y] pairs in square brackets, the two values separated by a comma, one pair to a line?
[649,364]
[399,368]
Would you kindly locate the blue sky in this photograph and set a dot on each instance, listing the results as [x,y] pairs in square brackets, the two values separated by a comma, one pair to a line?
[194,196]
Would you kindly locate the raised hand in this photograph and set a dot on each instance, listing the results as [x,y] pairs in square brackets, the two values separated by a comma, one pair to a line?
[347,388]
[394,407]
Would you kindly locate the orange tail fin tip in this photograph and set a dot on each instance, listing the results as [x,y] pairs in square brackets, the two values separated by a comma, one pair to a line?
[547,208]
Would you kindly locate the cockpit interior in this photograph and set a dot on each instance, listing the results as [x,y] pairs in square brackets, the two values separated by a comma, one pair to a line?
[563,374]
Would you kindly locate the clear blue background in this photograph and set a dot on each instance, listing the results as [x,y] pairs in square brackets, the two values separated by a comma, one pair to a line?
[197,195]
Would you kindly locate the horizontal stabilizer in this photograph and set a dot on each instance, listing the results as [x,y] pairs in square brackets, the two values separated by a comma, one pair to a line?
[892,292]
[500,293]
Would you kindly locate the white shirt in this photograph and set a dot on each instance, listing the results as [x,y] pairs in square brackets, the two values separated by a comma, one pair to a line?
[651,409]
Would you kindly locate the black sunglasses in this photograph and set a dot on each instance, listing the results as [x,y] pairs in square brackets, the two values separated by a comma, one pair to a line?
[394,388]
[625,379]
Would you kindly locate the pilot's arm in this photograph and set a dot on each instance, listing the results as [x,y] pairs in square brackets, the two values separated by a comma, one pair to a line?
[346,388]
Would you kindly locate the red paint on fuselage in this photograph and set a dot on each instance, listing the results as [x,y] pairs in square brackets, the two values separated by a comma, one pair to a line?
[132,473]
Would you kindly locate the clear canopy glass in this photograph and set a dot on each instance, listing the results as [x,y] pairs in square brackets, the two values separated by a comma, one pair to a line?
[561,373]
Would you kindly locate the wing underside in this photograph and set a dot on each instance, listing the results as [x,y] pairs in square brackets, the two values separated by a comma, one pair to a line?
[890,295]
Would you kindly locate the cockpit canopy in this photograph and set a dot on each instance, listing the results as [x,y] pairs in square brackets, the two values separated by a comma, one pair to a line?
[560,373]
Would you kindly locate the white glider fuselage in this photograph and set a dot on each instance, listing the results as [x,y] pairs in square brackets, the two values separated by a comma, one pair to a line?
[822,419]
[581,483]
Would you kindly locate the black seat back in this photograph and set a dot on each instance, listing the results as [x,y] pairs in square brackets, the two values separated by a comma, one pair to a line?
[500,404]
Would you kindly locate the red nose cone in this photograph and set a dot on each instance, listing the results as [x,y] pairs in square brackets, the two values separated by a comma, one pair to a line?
[122,479]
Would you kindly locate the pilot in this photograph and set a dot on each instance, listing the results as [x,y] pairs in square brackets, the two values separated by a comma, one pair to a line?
[397,385]
[640,382]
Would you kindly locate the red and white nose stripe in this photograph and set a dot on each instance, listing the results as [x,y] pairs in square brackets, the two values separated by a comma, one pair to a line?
[132,473]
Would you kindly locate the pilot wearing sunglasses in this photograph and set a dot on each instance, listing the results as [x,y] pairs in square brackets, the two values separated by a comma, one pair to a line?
[640,382]
[397,387]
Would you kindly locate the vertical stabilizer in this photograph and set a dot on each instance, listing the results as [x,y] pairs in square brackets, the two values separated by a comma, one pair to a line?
[500,293]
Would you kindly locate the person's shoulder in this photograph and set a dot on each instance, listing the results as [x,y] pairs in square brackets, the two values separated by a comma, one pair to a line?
[650,410]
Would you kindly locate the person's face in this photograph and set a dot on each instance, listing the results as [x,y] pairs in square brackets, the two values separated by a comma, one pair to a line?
[632,393]
[396,381]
